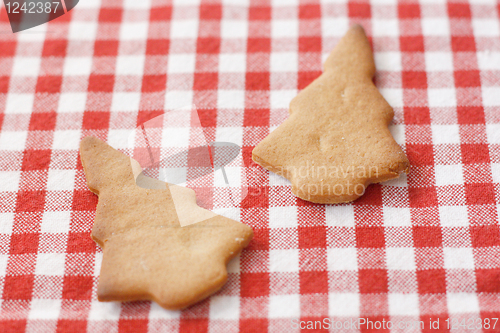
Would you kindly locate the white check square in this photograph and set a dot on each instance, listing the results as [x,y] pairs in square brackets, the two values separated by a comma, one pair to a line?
[445,134]
[281,98]
[232,62]
[232,99]
[397,217]
[495,172]
[282,217]
[225,307]
[130,65]
[284,62]
[134,4]
[125,101]
[403,304]
[334,26]
[453,216]
[118,138]
[400,258]
[45,309]
[51,264]
[277,3]
[234,28]
[488,60]
[435,26]
[79,30]
[284,260]
[230,134]
[4,259]
[493,133]
[180,3]
[438,61]
[385,27]
[444,97]
[72,102]
[462,303]
[9,181]
[61,180]
[183,29]
[284,28]
[134,31]
[6,223]
[181,63]
[243,3]
[342,259]
[343,304]
[458,258]
[77,66]
[393,96]
[13,140]
[448,174]
[284,306]
[339,216]
[66,140]
[174,175]
[233,177]
[105,310]
[398,133]
[19,103]
[97,263]
[388,61]
[26,66]
[56,222]
[175,99]
[175,137]
[485,27]
[491,96]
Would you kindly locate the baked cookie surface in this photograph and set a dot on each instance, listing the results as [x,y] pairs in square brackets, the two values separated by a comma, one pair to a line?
[336,140]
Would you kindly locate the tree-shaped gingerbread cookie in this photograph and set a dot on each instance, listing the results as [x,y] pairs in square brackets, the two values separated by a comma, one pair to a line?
[336,140]
[147,254]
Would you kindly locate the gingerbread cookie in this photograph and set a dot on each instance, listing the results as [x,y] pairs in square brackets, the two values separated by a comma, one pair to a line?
[147,255]
[336,140]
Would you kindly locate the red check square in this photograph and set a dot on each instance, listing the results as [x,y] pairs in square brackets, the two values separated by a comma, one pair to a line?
[372,281]
[427,236]
[254,284]
[19,287]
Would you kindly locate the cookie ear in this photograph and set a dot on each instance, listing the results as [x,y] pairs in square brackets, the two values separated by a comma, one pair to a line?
[352,55]
[104,165]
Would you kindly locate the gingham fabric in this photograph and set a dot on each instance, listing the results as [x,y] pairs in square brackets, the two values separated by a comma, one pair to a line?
[424,247]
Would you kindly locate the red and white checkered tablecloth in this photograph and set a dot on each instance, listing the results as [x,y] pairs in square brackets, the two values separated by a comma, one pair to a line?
[421,248]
